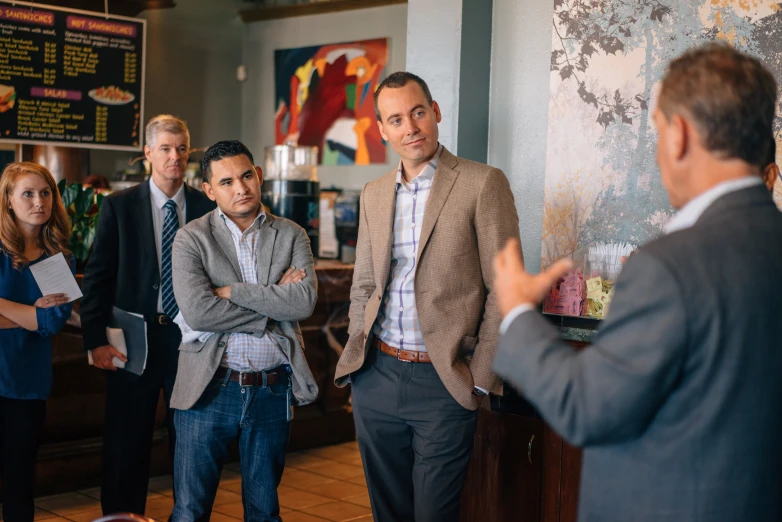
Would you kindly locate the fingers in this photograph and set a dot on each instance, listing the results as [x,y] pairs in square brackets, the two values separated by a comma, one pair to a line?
[293,276]
[284,278]
[51,300]
[558,270]
[119,355]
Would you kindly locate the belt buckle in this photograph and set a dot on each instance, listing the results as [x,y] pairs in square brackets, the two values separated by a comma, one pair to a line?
[162,320]
[241,378]
[399,356]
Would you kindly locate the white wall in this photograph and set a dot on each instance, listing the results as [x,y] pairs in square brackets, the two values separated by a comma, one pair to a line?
[518,109]
[434,41]
[261,39]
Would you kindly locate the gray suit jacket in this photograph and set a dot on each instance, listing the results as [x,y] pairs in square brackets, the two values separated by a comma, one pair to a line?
[204,258]
[678,402]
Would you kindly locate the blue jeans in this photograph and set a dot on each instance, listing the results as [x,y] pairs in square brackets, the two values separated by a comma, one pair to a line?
[255,415]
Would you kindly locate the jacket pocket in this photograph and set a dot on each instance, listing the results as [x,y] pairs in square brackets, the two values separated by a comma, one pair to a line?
[467,347]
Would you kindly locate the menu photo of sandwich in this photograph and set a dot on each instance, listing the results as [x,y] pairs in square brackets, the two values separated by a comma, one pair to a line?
[7,98]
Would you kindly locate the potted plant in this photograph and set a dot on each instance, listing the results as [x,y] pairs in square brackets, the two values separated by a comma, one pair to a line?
[83,207]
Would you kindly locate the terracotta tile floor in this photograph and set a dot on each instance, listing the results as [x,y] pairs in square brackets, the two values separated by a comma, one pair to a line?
[319,484]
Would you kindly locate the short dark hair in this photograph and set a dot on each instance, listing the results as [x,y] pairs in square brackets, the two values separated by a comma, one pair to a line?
[400,79]
[730,96]
[221,150]
[772,152]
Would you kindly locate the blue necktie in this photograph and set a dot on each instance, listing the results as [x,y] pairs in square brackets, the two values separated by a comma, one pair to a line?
[170,226]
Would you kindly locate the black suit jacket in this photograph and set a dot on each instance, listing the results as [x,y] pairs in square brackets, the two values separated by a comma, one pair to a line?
[123,269]
[677,402]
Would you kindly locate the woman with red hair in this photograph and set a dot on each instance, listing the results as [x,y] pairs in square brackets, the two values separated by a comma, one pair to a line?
[33,227]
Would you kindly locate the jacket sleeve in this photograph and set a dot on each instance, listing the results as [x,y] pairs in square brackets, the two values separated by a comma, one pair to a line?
[496,221]
[292,302]
[100,279]
[202,310]
[363,273]
[610,391]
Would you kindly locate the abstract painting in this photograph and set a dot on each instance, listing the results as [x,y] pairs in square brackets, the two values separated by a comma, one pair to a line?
[602,183]
[324,97]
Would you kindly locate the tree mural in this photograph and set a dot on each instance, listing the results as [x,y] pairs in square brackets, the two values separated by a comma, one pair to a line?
[631,41]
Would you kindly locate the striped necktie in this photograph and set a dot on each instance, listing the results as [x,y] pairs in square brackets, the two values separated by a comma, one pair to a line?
[170,226]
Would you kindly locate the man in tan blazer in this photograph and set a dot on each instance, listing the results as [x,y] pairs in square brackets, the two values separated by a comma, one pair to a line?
[423,321]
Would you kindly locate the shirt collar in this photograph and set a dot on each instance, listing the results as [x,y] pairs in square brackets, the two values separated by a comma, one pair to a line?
[159,198]
[427,173]
[689,214]
[234,228]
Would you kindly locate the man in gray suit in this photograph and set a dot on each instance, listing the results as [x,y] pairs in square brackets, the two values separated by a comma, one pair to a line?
[242,366]
[677,402]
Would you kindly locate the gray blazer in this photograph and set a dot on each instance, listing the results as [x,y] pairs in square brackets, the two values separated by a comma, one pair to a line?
[204,258]
[678,403]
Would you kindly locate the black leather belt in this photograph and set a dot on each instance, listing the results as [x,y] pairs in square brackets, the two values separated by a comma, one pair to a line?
[251,378]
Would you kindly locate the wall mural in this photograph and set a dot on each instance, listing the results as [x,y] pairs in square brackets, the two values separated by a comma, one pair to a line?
[602,183]
[324,97]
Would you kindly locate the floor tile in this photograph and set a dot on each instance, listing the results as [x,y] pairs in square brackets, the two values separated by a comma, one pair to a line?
[219,517]
[304,461]
[297,499]
[301,479]
[40,514]
[67,504]
[87,516]
[163,485]
[226,497]
[332,452]
[233,509]
[361,500]
[234,486]
[91,492]
[361,480]
[298,516]
[338,511]
[337,470]
[337,489]
[159,508]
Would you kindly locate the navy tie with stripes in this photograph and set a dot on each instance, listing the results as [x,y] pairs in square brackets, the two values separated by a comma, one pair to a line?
[170,226]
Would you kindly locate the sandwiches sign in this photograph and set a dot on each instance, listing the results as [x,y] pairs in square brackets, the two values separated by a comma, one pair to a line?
[70,77]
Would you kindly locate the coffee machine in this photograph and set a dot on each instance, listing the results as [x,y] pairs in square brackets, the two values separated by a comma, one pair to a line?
[291,188]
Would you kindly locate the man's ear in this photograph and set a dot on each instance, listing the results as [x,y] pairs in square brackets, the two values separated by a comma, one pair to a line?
[380,128]
[147,152]
[259,171]
[207,188]
[680,137]
[770,175]
[437,114]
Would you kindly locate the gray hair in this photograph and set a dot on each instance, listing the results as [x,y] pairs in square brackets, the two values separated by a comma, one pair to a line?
[165,123]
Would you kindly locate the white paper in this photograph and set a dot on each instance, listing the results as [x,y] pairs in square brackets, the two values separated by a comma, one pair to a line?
[54,276]
[117,340]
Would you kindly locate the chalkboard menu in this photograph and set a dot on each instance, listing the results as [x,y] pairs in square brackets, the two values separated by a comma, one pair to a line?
[71,78]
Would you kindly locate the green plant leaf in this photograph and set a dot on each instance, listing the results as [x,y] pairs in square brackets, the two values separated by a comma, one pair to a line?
[70,194]
[84,202]
[99,202]
[61,186]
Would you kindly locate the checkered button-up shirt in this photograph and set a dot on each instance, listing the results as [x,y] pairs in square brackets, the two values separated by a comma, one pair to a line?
[397,323]
[244,352]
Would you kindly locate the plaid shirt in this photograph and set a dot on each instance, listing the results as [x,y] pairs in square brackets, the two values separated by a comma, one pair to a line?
[247,353]
[397,323]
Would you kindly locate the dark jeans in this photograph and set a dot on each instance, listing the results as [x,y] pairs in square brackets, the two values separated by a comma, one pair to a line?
[131,404]
[415,440]
[21,425]
[255,415]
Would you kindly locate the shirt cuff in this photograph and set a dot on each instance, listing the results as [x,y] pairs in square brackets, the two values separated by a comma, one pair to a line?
[513,314]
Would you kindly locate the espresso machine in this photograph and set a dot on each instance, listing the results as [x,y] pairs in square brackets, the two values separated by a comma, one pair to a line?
[291,188]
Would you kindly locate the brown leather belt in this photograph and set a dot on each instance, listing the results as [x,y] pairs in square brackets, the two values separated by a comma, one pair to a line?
[402,355]
[251,378]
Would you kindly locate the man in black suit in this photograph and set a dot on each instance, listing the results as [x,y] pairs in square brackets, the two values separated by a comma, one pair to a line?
[130,268]
[677,402]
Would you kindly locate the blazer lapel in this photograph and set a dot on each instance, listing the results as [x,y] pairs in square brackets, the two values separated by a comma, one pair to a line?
[381,219]
[146,227]
[444,178]
[223,237]
[266,235]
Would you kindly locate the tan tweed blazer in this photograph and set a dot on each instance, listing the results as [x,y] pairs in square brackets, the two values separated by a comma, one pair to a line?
[469,215]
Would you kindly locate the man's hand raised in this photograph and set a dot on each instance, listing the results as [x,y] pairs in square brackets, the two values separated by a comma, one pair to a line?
[514,286]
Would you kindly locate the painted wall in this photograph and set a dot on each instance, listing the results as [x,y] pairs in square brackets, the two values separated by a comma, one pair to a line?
[518,109]
[193,51]
[260,41]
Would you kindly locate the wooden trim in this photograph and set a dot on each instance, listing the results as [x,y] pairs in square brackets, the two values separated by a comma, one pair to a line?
[329,6]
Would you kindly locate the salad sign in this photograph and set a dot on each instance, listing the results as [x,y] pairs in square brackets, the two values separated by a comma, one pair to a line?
[70,77]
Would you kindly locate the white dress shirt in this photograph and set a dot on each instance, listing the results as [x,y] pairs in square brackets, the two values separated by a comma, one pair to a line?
[158,199]
[687,216]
